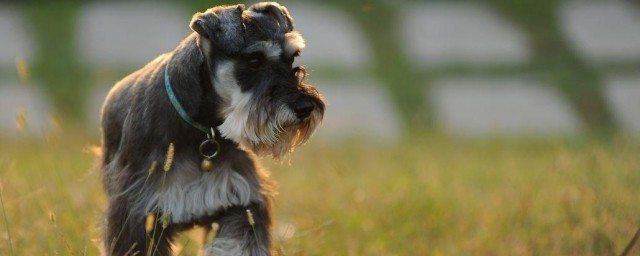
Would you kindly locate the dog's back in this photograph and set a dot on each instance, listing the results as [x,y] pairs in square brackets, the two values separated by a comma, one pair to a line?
[120,105]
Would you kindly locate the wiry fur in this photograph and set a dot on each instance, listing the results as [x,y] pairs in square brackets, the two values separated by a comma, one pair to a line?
[261,128]
[294,43]
[257,110]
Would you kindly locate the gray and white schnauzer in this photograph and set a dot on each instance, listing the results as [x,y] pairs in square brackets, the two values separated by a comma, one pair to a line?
[180,134]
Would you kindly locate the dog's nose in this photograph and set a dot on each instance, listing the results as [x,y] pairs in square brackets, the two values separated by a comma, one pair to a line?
[303,108]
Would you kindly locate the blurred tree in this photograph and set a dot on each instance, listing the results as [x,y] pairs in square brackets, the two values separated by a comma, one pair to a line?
[580,82]
[379,21]
[57,66]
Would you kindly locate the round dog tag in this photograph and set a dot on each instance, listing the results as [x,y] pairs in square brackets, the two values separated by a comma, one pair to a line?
[208,149]
[206,165]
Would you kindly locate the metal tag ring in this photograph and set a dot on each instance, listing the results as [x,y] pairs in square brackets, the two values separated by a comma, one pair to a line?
[204,144]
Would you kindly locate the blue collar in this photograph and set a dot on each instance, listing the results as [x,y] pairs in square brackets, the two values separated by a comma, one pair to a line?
[176,104]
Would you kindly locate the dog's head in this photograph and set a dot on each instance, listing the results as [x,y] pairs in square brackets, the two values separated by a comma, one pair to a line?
[266,106]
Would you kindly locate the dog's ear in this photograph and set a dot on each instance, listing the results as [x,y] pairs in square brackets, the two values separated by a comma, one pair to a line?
[278,12]
[198,25]
[221,26]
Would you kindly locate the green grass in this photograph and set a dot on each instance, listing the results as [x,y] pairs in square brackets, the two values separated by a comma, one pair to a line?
[424,196]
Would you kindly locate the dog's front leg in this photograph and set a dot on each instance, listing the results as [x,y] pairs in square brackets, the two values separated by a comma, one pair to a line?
[126,233]
[243,231]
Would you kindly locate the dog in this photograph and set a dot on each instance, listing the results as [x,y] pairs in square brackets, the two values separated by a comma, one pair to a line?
[180,135]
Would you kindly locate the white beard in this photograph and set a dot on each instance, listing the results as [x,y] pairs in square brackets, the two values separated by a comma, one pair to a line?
[254,127]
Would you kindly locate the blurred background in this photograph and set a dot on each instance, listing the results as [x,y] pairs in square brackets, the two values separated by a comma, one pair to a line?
[495,98]
[468,68]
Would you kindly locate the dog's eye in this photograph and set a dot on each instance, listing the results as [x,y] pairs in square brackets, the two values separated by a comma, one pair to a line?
[255,60]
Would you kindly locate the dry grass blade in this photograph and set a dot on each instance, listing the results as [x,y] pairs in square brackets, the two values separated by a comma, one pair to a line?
[165,223]
[315,229]
[61,235]
[84,246]
[131,250]
[6,222]
[169,159]
[185,246]
[150,222]
[21,118]
[252,222]
[168,162]
[632,243]
[23,71]
[213,233]
[117,238]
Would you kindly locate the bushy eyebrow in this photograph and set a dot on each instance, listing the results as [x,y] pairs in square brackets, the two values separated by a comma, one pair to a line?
[293,43]
[270,49]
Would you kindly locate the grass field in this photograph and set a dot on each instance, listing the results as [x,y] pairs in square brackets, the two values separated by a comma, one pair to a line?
[425,196]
